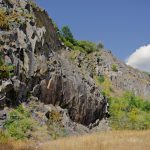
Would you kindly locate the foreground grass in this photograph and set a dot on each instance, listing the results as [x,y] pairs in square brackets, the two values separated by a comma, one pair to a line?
[17,145]
[114,140]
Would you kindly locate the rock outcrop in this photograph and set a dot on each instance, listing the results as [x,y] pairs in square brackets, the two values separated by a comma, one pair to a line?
[69,89]
[31,44]
[34,62]
[121,77]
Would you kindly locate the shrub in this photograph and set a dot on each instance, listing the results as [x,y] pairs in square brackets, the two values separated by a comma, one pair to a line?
[6,71]
[128,112]
[73,54]
[67,34]
[55,116]
[78,48]
[55,126]
[68,44]
[106,86]
[6,19]
[19,123]
[3,20]
[146,106]
[101,78]
[83,46]
[100,46]
[114,68]
[87,46]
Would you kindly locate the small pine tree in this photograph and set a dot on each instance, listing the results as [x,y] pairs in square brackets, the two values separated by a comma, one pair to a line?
[67,34]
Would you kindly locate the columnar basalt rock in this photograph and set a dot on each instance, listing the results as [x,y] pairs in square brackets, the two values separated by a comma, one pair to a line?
[42,68]
[33,47]
[67,89]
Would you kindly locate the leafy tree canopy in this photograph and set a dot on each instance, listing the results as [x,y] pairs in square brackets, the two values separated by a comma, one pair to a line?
[67,34]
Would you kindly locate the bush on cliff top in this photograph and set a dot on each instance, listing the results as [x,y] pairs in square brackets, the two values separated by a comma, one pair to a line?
[67,34]
[69,41]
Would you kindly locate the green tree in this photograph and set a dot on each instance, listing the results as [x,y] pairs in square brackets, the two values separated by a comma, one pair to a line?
[67,34]
[100,45]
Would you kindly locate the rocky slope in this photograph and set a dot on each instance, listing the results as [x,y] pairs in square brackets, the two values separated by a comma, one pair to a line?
[31,45]
[119,76]
[43,69]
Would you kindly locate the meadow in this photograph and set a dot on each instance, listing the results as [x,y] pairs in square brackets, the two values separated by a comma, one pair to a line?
[112,140]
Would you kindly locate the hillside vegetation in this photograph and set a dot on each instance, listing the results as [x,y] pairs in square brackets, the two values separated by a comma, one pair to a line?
[82,46]
[129,112]
[53,86]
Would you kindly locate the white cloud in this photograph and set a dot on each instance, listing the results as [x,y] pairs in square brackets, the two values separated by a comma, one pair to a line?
[140,59]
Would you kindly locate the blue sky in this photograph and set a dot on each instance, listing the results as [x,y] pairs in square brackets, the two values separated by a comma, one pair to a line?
[121,25]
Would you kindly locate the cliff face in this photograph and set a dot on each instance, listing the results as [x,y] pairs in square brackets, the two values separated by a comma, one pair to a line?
[31,45]
[124,77]
[120,76]
[43,68]
[25,44]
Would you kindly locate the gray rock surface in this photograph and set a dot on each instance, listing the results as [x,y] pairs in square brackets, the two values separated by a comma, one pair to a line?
[3,117]
[41,68]
[68,89]
[124,78]
[44,71]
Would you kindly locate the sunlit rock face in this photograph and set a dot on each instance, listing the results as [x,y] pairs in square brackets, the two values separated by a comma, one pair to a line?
[32,46]
[120,77]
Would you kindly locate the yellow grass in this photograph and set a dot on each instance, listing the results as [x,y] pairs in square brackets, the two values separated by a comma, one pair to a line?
[113,140]
[17,145]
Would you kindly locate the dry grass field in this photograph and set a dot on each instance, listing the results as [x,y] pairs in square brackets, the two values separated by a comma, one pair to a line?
[11,145]
[114,140]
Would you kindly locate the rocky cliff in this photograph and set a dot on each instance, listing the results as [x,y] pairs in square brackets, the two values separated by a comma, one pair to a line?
[31,45]
[118,75]
[34,62]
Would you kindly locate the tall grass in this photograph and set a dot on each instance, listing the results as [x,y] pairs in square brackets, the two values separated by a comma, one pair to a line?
[116,140]
[113,140]
[12,145]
